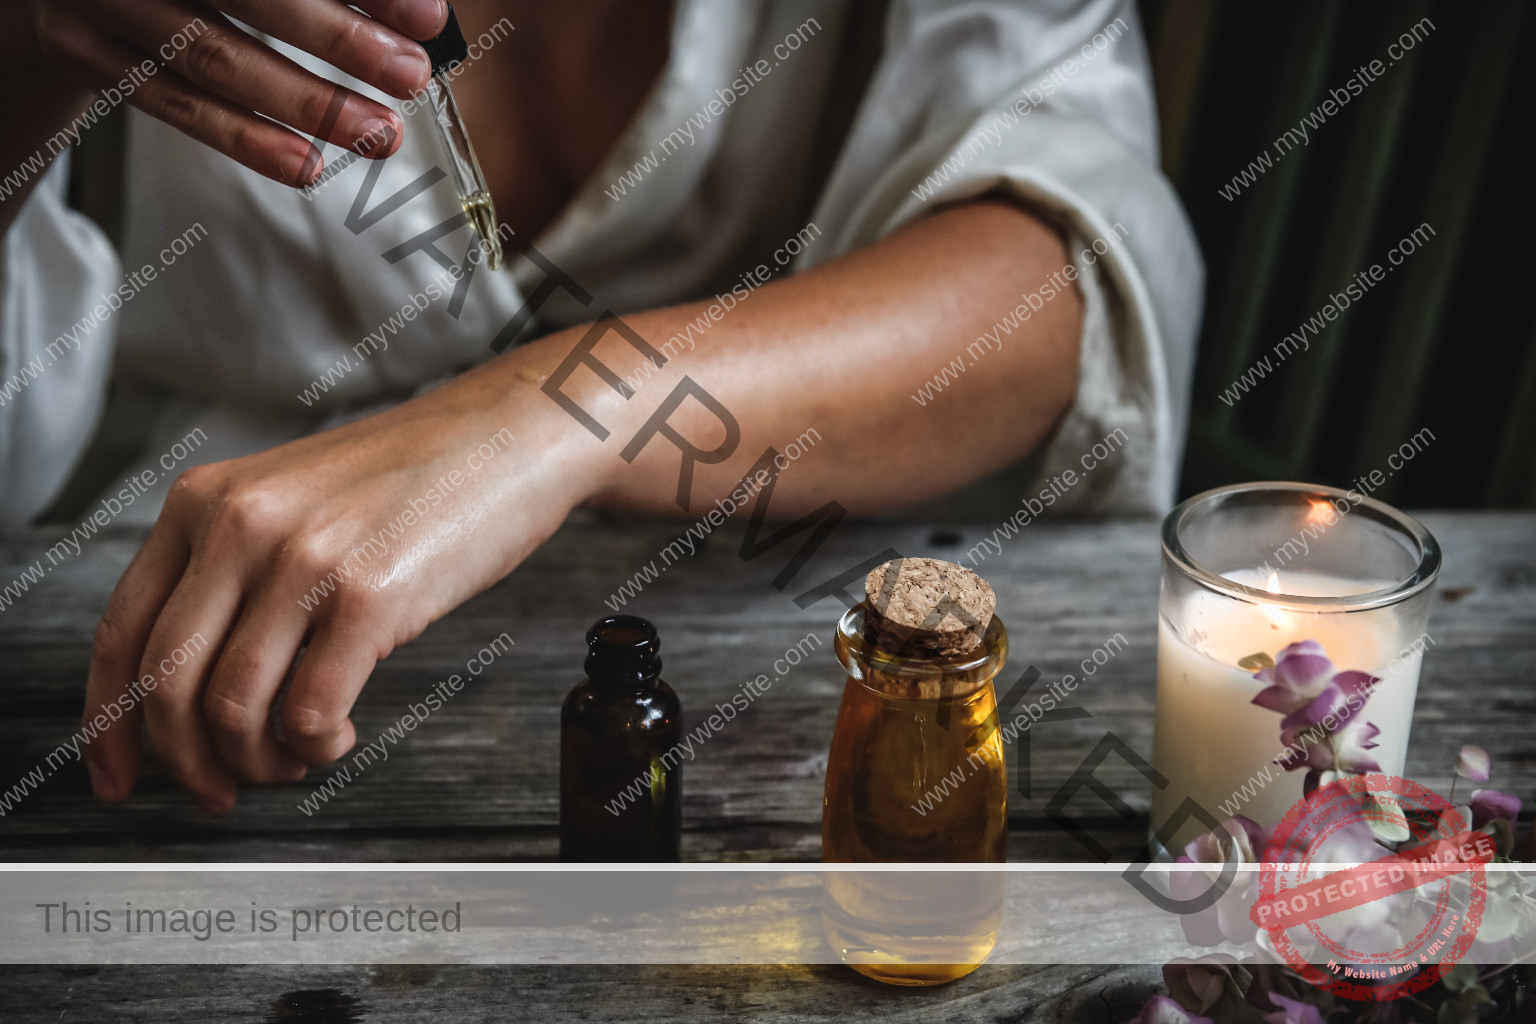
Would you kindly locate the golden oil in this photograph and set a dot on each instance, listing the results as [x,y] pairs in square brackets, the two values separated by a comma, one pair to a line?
[915,775]
[482,214]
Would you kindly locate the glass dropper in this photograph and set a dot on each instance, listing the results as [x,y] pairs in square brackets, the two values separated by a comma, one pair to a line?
[447,52]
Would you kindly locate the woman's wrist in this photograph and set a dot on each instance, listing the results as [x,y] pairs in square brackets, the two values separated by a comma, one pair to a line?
[567,460]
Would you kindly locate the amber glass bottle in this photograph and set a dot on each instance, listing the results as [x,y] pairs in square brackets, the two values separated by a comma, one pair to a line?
[915,774]
[620,794]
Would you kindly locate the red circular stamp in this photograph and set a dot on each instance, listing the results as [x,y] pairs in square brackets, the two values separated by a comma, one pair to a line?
[1389,926]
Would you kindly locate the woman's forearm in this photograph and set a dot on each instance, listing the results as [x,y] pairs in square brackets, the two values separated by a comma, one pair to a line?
[839,351]
[349,542]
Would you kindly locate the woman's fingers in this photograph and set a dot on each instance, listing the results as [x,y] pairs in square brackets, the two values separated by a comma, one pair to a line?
[231,91]
[355,43]
[250,671]
[329,678]
[417,19]
[265,147]
[179,656]
[113,755]
[241,70]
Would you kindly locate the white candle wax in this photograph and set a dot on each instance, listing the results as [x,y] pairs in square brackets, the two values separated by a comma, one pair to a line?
[1214,744]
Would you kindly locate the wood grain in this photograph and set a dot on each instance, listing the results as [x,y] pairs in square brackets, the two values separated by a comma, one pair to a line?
[429,994]
[478,781]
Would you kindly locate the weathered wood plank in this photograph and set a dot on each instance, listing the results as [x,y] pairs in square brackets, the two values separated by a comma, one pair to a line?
[745,843]
[479,778]
[409,994]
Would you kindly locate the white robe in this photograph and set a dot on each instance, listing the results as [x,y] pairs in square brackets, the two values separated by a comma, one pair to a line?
[1049,102]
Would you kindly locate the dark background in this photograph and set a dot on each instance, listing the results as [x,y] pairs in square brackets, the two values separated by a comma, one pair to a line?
[1446,341]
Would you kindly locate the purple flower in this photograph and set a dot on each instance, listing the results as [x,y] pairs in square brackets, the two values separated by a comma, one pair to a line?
[1488,804]
[1333,702]
[1203,984]
[1320,730]
[1473,763]
[1350,745]
[1305,748]
[1239,839]
[1299,675]
[1162,1010]
[1292,1011]
[1202,928]
[1345,750]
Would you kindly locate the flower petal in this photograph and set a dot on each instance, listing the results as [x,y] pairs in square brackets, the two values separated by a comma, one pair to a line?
[1238,839]
[1292,1011]
[1352,682]
[1473,763]
[1258,835]
[1301,647]
[1200,984]
[1300,673]
[1488,804]
[1359,764]
[1350,745]
[1279,698]
[1162,1010]
[1325,704]
[1304,673]
[1203,849]
[1305,748]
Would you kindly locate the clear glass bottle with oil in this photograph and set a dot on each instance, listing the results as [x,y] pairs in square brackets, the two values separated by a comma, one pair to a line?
[915,774]
[447,52]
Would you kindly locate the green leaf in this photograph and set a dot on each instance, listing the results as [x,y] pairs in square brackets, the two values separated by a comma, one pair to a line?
[1453,1011]
[1460,978]
[1503,838]
[1477,996]
[1386,819]
[1255,662]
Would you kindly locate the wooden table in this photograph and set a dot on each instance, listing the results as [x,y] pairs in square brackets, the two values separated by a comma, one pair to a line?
[478,781]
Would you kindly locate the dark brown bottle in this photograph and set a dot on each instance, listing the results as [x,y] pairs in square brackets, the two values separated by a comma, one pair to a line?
[620,767]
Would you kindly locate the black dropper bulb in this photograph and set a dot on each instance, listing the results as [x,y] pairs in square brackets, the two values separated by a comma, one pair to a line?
[448,49]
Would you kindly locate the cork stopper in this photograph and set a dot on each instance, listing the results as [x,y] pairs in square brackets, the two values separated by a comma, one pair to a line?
[923,607]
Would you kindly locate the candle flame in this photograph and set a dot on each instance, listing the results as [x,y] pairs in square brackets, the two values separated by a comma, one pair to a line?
[1320,509]
[1277,617]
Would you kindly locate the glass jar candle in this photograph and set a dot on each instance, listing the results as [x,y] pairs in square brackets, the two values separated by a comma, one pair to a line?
[915,774]
[1247,571]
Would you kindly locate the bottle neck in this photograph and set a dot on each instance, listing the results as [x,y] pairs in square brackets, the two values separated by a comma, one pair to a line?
[608,671]
[901,677]
[622,653]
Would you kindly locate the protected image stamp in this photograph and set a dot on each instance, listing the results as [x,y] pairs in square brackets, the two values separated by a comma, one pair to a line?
[1389,926]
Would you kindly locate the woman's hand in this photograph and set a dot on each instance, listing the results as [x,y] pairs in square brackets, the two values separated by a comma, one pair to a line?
[229,90]
[349,542]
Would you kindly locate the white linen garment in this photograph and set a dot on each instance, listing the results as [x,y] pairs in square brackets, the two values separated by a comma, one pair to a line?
[254,333]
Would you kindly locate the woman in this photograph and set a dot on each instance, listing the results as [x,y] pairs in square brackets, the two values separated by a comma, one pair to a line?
[792,246]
